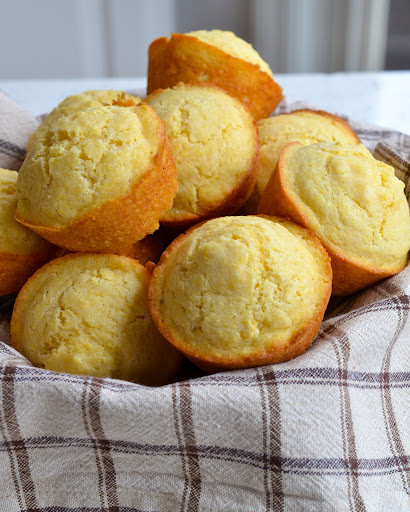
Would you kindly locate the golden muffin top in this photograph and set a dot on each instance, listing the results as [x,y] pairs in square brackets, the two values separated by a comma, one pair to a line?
[214,140]
[88,314]
[14,238]
[86,159]
[75,103]
[304,126]
[236,286]
[352,201]
[233,45]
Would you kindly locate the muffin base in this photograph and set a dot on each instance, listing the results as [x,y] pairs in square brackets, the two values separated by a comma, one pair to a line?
[280,351]
[140,373]
[15,269]
[183,58]
[118,223]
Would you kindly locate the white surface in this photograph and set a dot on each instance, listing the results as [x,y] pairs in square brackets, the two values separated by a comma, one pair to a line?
[83,38]
[381,98]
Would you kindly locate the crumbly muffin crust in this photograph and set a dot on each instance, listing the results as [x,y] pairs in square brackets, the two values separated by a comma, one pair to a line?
[304,126]
[88,314]
[85,160]
[99,180]
[76,103]
[215,144]
[351,201]
[241,291]
[216,57]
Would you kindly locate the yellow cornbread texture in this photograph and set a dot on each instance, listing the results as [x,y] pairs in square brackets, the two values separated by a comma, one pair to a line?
[215,144]
[88,314]
[235,46]
[14,238]
[215,57]
[354,203]
[306,127]
[76,103]
[236,288]
[85,160]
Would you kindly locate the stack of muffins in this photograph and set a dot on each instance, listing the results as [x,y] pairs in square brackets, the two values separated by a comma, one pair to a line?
[280,212]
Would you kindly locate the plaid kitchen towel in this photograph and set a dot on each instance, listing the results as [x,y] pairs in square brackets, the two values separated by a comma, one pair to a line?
[326,432]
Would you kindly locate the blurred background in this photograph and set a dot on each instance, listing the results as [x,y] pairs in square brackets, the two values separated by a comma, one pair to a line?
[109,38]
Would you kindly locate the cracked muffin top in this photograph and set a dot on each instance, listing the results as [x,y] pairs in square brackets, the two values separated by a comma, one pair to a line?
[88,314]
[85,160]
[98,180]
[215,144]
[304,126]
[353,203]
[241,291]
[76,103]
[352,200]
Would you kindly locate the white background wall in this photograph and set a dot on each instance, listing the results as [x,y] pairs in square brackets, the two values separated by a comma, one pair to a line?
[79,38]
[97,38]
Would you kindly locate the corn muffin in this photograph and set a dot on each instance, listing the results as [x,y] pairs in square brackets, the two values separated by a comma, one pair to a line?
[218,57]
[304,126]
[22,251]
[215,144]
[237,292]
[99,179]
[76,103]
[88,314]
[353,203]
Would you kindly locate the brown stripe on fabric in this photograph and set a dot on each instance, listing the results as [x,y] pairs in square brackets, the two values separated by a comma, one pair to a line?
[175,409]
[340,341]
[16,449]
[82,509]
[103,447]
[342,423]
[194,472]
[10,149]
[393,433]
[88,429]
[291,376]
[375,307]
[370,134]
[389,288]
[9,447]
[6,144]
[294,466]
[391,157]
[313,376]
[32,374]
[264,413]
[270,393]
[351,438]
[336,466]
